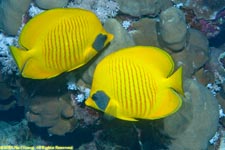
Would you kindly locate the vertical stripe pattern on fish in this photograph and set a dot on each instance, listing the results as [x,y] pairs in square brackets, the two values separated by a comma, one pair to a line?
[135,85]
[57,41]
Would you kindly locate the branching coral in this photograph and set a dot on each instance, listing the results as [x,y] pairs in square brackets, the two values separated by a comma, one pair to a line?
[18,134]
[7,63]
[102,8]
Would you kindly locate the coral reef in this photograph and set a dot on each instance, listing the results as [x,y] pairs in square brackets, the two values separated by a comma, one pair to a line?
[52,112]
[11,13]
[194,55]
[18,134]
[174,38]
[5,90]
[104,9]
[57,105]
[34,10]
[205,8]
[49,4]
[144,32]
[144,7]
[198,106]
[8,65]
[129,136]
[59,114]
[209,20]
[216,62]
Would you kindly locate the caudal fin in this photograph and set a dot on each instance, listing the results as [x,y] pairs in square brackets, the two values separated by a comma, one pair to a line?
[20,56]
[176,81]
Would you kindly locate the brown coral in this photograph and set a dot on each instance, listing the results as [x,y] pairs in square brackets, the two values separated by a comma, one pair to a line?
[52,112]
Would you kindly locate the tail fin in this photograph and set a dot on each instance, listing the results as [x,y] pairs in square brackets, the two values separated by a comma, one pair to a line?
[20,56]
[176,82]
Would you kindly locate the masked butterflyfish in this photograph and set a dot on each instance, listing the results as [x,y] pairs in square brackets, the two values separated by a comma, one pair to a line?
[137,83]
[57,41]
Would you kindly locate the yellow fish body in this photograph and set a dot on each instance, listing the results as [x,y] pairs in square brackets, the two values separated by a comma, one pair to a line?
[57,41]
[136,82]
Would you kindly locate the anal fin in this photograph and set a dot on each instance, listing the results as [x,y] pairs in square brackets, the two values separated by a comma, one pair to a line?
[167,102]
[126,118]
[35,70]
[115,110]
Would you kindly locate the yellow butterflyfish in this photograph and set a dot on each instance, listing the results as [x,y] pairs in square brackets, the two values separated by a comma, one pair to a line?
[137,82]
[57,41]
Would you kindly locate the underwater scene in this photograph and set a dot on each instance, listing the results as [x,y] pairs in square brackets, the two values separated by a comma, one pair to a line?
[112,74]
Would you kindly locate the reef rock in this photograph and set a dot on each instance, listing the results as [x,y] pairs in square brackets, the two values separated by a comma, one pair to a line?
[145,32]
[143,7]
[121,39]
[204,76]
[11,12]
[194,55]
[5,90]
[173,28]
[197,120]
[52,112]
[206,9]
[18,133]
[7,100]
[49,4]
[216,62]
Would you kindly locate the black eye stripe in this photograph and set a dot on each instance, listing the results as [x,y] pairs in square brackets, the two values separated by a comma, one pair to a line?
[99,42]
[101,99]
